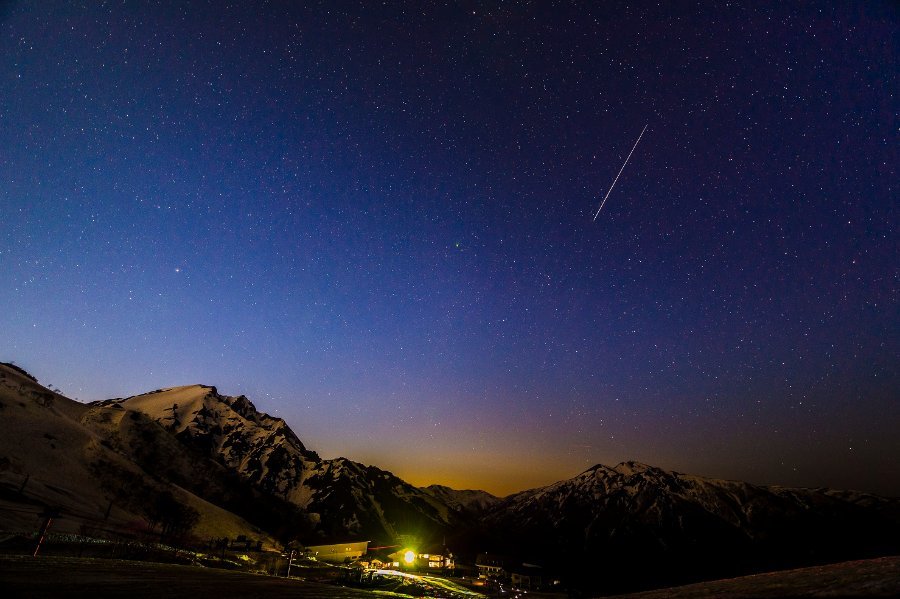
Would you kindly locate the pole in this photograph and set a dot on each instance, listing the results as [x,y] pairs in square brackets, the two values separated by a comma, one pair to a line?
[290,561]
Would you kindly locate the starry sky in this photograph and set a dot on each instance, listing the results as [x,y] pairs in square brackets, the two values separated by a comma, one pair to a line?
[375,220]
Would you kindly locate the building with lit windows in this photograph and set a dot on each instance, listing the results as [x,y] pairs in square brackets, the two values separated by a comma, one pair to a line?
[435,559]
[493,567]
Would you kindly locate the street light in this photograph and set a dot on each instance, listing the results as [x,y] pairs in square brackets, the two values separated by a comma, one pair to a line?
[409,557]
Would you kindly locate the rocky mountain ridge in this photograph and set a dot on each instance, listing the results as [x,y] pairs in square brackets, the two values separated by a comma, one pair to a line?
[471,501]
[242,471]
[113,470]
[342,498]
[638,518]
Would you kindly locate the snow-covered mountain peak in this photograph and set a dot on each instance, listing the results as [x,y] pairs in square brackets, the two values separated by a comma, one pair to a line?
[632,467]
[465,500]
[341,497]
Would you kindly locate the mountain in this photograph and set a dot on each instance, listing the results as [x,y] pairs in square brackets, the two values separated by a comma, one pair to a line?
[465,501]
[189,460]
[644,526]
[341,499]
[85,463]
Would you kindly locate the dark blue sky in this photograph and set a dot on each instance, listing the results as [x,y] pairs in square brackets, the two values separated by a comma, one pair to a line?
[376,223]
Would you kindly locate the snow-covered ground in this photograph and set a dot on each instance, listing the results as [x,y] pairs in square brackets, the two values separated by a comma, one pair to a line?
[864,578]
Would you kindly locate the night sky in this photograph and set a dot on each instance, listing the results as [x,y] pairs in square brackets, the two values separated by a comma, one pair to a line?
[376,222]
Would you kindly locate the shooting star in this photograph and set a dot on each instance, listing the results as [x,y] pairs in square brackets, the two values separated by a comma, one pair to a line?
[620,171]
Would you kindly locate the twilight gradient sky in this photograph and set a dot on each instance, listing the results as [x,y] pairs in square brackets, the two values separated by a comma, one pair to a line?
[375,221]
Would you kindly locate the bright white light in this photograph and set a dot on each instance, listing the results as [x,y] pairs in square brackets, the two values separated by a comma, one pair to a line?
[409,557]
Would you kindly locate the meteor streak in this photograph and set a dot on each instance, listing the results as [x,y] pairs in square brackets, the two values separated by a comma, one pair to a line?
[620,171]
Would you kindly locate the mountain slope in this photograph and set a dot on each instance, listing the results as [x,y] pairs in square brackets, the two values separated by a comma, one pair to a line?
[342,499]
[193,450]
[466,501]
[654,526]
[84,461]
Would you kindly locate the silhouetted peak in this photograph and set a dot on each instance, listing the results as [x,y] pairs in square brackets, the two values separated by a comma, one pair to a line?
[19,369]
